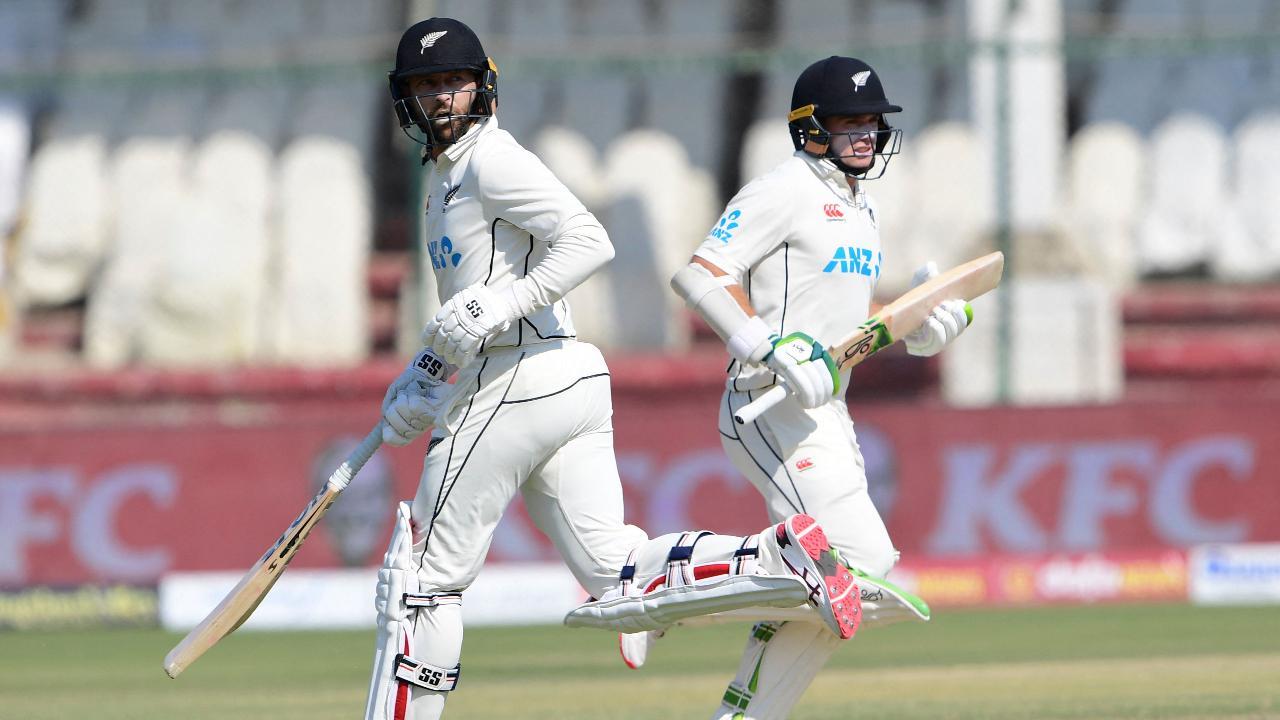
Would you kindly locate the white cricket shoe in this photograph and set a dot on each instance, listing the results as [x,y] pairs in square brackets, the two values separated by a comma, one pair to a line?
[635,647]
[832,590]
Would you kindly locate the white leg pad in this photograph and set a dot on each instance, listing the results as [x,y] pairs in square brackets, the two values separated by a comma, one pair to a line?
[679,576]
[419,637]
[883,603]
[663,608]
[778,665]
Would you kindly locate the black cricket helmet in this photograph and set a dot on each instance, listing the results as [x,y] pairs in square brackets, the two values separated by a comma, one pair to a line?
[435,45]
[841,86]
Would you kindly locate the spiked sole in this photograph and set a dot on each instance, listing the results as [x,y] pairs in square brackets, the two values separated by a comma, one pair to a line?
[843,600]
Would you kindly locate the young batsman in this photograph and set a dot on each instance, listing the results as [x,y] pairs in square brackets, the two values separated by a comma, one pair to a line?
[530,411]
[792,265]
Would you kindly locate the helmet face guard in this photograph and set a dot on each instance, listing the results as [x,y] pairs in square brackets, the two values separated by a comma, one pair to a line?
[809,134]
[438,45]
[414,115]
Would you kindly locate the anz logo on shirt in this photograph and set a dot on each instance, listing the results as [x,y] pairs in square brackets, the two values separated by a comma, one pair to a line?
[442,254]
[723,231]
[854,260]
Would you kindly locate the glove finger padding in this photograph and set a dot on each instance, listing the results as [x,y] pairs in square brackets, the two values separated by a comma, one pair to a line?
[806,367]
[409,416]
[945,323]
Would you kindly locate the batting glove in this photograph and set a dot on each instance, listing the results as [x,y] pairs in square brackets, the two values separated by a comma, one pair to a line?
[415,398]
[470,317]
[806,368]
[946,321]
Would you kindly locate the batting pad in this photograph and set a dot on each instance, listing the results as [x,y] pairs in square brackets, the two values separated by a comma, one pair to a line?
[662,608]
[883,603]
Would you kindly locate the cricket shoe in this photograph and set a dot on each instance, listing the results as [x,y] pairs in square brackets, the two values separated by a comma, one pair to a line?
[635,647]
[832,591]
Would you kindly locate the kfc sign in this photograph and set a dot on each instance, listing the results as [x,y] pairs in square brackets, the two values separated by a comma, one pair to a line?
[1129,480]
[42,507]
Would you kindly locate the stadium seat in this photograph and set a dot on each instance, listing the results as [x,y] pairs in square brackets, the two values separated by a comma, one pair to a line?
[1252,252]
[65,236]
[1184,209]
[766,145]
[954,211]
[149,198]
[1104,199]
[320,309]
[573,159]
[206,306]
[648,175]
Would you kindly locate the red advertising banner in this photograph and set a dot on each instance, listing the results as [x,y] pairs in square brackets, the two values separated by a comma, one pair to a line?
[126,495]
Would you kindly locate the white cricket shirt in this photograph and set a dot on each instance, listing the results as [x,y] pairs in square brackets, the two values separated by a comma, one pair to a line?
[805,248]
[496,215]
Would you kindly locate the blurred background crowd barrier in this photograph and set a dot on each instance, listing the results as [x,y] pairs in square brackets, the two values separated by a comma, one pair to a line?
[210,260]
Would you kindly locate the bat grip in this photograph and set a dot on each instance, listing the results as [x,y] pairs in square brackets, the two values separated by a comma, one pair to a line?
[341,477]
[756,408]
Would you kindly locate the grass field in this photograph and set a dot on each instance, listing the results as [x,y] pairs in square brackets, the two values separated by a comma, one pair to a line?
[1164,661]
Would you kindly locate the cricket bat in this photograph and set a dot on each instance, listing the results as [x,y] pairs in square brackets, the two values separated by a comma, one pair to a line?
[245,597]
[896,319]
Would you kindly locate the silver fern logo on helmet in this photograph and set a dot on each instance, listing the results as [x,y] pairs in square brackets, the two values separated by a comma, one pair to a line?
[430,39]
[860,79]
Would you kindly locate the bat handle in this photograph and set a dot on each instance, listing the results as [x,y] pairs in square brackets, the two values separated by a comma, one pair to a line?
[756,408]
[341,477]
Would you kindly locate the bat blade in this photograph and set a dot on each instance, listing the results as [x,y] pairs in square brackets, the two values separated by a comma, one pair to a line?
[245,597]
[909,311]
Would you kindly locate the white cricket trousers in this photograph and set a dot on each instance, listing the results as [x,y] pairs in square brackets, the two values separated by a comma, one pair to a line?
[537,420]
[801,461]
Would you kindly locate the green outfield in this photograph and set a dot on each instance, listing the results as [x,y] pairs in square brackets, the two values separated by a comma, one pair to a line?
[1166,661]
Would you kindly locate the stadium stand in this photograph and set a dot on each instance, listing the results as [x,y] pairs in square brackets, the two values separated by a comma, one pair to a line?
[1103,198]
[1183,207]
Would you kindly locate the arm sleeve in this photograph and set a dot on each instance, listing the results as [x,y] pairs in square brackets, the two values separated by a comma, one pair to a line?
[754,224]
[521,190]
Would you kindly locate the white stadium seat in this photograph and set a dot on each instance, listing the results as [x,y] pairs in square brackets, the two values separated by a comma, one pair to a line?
[206,305]
[15,145]
[648,175]
[320,314]
[1186,189]
[766,144]
[150,199]
[954,206]
[1104,200]
[65,235]
[1253,252]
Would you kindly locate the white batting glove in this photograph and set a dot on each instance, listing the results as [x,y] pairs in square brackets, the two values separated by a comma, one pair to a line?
[414,399]
[946,321]
[806,368]
[473,315]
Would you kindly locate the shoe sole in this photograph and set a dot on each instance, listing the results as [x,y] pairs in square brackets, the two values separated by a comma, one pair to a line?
[843,609]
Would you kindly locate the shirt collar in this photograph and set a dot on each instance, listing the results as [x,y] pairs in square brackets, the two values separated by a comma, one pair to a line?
[832,177]
[460,148]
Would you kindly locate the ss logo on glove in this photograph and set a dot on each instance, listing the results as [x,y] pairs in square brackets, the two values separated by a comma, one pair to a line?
[474,308]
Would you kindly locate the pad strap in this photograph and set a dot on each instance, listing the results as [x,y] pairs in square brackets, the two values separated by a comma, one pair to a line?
[746,557]
[428,600]
[680,559]
[426,675]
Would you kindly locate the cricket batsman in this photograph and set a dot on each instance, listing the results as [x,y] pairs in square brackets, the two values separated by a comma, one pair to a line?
[791,266]
[530,411]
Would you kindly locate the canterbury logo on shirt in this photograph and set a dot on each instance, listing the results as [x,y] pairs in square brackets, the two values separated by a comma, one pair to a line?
[855,260]
[833,211]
